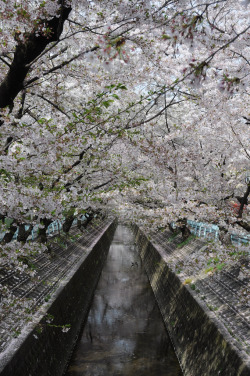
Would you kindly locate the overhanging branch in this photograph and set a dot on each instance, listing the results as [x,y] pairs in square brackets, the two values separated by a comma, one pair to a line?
[26,52]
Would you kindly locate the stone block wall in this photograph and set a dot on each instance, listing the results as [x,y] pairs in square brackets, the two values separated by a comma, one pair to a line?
[44,349]
[201,342]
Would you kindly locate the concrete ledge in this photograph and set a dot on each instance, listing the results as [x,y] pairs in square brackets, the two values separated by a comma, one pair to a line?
[202,343]
[43,349]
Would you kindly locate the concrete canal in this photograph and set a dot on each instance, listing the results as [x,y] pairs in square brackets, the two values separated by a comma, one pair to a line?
[124,333]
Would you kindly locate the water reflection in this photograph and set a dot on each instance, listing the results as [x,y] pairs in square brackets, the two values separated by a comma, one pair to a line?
[124,334]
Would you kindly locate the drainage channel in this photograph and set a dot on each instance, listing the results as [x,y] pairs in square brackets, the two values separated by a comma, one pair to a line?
[124,334]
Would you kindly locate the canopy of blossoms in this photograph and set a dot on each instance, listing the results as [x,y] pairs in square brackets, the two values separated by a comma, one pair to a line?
[136,107]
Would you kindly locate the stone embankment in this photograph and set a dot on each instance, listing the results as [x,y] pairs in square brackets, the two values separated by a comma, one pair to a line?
[38,340]
[206,312]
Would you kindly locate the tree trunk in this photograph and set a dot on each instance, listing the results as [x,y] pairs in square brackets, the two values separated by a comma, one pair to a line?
[2,218]
[185,231]
[244,225]
[171,228]
[26,52]
[42,232]
[79,224]
[244,202]
[9,235]
[88,219]
[23,234]
[182,226]
[68,223]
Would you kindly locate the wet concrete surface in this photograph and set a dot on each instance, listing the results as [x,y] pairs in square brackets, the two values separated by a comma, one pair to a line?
[124,334]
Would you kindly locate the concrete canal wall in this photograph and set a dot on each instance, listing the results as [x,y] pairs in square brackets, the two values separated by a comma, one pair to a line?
[201,341]
[43,349]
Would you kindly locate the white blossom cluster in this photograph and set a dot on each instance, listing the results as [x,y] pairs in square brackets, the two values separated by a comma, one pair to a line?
[139,107]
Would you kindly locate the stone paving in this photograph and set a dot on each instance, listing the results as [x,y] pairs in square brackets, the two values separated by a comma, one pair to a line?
[27,294]
[226,292]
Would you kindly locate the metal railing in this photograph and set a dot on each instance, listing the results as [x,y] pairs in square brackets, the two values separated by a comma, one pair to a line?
[53,228]
[211,231]
[200,229]
[205,230]
[240,239]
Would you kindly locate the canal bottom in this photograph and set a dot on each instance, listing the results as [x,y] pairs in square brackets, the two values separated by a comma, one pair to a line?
[124,334]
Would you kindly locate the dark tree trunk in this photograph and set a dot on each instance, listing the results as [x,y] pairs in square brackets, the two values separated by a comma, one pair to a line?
[185,231]
[244,201]
[28,51]
[171,228]
[68,223]
[88,219]
[9,235]
[42,232]
[244,225]
[2,218]
[182,226]
[23,234]
[79,224]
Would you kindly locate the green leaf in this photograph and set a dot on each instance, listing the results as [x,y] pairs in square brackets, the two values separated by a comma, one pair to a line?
[122,87]
[107,103]
[166,37]
[220,266]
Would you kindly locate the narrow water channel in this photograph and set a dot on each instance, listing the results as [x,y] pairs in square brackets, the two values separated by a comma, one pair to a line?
[124,334]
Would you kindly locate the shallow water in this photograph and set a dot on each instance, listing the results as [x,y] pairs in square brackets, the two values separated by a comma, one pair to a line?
[124,334]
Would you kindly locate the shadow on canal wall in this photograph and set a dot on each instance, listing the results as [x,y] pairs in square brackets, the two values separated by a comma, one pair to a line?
[201,343]
[46,351]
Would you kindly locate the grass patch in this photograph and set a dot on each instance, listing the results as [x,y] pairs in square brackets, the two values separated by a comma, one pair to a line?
[187,281]
[186,241]
[173,236]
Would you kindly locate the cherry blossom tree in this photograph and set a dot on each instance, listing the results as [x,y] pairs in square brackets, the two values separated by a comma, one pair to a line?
[139,105]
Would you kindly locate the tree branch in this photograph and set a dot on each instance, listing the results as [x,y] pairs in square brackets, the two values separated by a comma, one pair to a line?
[51,103]
[26,52]
[59,66]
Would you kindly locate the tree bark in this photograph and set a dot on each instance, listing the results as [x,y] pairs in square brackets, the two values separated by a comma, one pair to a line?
[26,52]
[79,224]
[42,232]
[244,225]
[244,201]
[88,219]
[68,223]
[9,235]
[182,226]
[23,234]
[185,231]
[171,228]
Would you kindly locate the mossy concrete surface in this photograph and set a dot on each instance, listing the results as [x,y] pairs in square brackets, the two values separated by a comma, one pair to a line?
[43,348]
[202,342]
